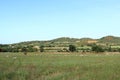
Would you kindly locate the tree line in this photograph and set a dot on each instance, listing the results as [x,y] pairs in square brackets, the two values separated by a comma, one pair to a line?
[71,48]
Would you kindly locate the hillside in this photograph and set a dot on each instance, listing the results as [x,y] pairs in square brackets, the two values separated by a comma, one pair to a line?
[62,44]
[110,40]
[58,42]
[65,41]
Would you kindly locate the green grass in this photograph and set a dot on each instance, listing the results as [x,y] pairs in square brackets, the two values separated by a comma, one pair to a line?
[16,66]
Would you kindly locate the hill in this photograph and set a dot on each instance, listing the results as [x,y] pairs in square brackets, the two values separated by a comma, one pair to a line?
[110,40]
[58,42]
[61,44]
[65,41]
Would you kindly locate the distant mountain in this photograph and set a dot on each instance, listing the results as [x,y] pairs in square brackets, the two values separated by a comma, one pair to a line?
[66,41]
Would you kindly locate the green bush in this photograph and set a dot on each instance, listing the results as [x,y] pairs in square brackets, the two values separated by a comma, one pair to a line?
[72,48]
[97,48]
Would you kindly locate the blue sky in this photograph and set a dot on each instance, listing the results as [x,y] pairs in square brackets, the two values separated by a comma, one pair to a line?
[26,20]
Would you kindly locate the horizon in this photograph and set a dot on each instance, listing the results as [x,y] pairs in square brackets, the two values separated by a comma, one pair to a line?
[28,20]
[58,38]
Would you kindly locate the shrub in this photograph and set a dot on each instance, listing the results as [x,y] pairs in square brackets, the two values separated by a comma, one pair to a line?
[42,48]
[72,48]
[24,49]
[97,48]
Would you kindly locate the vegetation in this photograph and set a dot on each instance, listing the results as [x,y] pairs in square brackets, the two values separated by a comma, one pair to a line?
[108,43]
[24,50]
[42,48]
[97,48]
[72,48]
[60,66]
[37,62]
[110,40]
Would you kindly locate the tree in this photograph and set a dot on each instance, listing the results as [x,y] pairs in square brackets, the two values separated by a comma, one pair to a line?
[24,49]
[72,48]
[42,48]
[0,50]
[97,48]
[118,49]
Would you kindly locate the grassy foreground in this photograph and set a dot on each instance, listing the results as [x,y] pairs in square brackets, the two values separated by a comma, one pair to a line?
[16,66]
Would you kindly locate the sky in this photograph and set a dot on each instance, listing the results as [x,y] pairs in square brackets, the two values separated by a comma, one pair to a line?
[27,20]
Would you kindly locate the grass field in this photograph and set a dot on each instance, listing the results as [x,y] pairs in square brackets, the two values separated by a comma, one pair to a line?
[73,66]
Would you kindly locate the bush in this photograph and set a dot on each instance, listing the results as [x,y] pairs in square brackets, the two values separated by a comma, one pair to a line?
[24,49]
[42,48]
[0,50]
[72,48]
[97,48]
